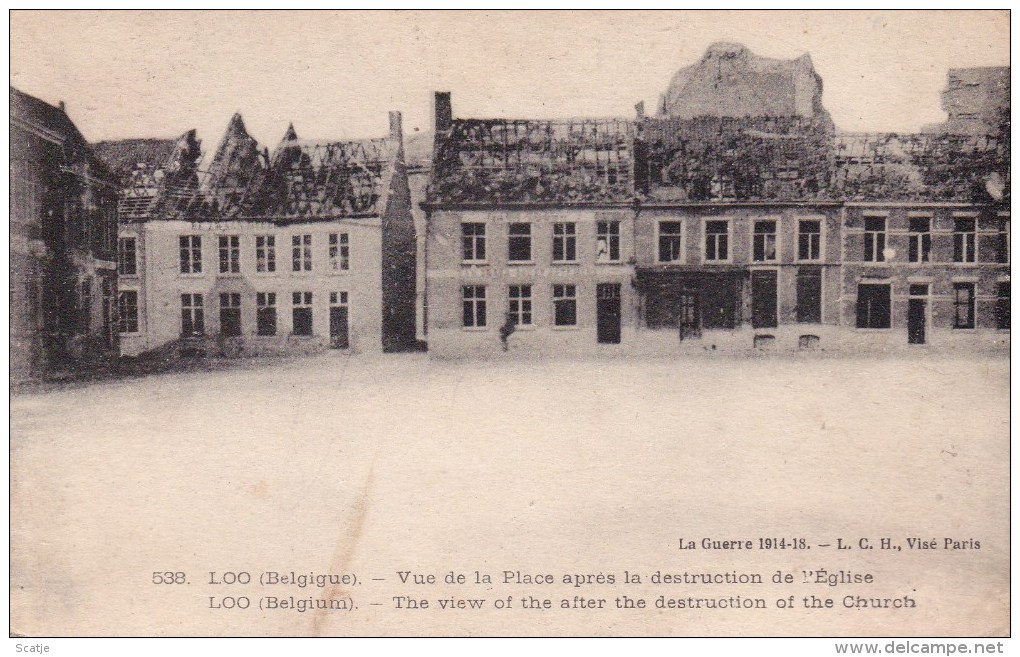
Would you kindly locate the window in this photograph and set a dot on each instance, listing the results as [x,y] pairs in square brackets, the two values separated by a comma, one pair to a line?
[519,242]
[230,313]
[265,253]
[874,239]
[301,253]
[192,315]
[764,246]
[473,241]
[874,303]
[85,304]
[670,241]
[338,298]
[809,295]
[963,240]
[520,305]
[265,314]
[474,306]
[1002,241]
[127,311]
[565,305]
[127,264]
[564,242]
[339,252]
[607,242]
[191,254]
[230,254]
[302,313]
[1002,306]
[809,239]
[963,305]
[717,240]
[919,249]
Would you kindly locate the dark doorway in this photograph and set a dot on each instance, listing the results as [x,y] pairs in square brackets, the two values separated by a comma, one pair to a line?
[917,309]
[763,299]
[338,328]
[609,313]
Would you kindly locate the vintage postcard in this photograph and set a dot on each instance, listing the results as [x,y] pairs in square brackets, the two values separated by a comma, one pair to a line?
[510,323]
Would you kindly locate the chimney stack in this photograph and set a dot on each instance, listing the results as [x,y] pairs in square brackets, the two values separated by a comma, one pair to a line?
[442,110]
[61,106]
[640,110]
[396,126]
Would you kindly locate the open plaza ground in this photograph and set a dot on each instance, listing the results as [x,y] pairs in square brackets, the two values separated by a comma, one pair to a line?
[375,465]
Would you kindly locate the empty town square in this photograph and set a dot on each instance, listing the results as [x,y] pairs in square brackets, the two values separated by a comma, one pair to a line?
[378,464]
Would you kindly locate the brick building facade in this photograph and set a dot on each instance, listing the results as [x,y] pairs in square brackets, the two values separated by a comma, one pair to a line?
[63,231]
[680,233]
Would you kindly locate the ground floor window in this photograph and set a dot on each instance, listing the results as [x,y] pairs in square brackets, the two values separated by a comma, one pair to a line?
[127,311]
[1002,306]
[809,295]
[265,313]
[963,305]
[565,305]
[874,304]
[192,315]
[302,313]
[519,307]
[474,306]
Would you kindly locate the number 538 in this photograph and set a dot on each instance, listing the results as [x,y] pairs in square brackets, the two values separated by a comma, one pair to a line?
[169,577]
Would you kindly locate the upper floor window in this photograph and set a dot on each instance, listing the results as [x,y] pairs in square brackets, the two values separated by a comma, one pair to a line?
[191,254]
[519,242]
[964,241]
[607,241]
[764,241]
[339,252]
[670,241]
[265,253]
[874,239]
[919,249]
[473,241]
[301,252]
[230,254]
[564,242]
[809,239]
[717,240]
[127,264]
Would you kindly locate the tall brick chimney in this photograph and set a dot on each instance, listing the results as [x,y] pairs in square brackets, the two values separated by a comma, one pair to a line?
[442,110]
[396,126]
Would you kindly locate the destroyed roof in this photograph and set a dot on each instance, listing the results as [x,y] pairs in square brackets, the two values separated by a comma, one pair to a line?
[126,155]
[730,80]
[530,161]
[300,180]
[707,159]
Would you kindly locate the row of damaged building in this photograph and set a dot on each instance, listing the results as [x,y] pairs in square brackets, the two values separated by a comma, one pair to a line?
[736,217]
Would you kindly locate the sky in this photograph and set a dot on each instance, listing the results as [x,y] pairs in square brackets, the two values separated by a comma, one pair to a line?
[335,75]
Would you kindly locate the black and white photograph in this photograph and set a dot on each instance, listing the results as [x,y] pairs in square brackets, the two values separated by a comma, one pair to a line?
[435,323]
